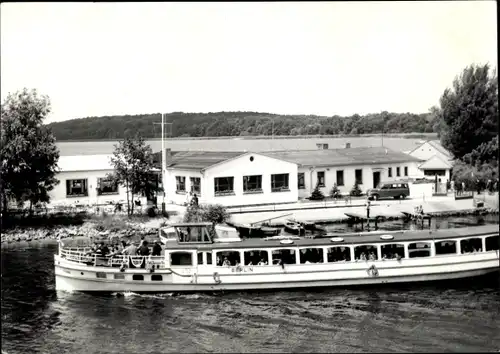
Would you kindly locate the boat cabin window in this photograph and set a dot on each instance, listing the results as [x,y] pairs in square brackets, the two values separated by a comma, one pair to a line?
[492,243]
[284,256]
[393,251]
[181,259]
[156,277]
[471,245]
[311,255]
[193,234]
[419,249]
[338,254]
[208,258]
[445,247]
[365,252]
[228,258]
[137,277]
[256,257]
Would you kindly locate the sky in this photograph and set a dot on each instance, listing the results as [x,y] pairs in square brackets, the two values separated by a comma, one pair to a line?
[324,58]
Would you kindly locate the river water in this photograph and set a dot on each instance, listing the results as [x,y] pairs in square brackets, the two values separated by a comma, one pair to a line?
[453,316]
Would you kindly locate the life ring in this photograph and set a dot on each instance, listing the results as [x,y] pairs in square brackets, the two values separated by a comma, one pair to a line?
[217,278]
[372,271]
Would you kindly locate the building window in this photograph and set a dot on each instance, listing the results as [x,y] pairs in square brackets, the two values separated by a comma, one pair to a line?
[76,188]
[390,171]
[252,184]
[406,170]
[358,175]
[340,178]
[224,185]
[434,173]
[279,182]
[398,173]
[195,185]
[321,178]
[301,182]
[106,186]
[180,181]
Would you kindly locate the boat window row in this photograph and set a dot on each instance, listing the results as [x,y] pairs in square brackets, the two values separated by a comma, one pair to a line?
[334,253]
[121,276]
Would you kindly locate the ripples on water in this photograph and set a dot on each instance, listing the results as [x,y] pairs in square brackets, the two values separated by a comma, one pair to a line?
[450,316]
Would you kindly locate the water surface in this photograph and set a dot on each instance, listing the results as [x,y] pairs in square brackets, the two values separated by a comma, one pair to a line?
[451,316]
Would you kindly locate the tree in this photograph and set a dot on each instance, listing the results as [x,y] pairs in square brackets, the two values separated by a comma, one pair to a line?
[133,164]
[335,192]
[468,111]
[355,191]
[317,194]
[28,150]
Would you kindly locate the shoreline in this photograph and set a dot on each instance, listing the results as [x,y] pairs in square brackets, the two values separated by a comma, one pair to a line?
[121,227]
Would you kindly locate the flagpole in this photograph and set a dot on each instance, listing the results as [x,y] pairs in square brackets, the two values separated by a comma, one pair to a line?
[163,160]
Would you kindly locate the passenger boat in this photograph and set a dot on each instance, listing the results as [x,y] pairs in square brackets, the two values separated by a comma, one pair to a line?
[213,259]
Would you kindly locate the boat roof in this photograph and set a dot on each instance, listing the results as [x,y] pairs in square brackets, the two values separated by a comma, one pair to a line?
[348,239]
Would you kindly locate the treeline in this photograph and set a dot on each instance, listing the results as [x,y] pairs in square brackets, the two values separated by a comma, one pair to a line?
[240,124]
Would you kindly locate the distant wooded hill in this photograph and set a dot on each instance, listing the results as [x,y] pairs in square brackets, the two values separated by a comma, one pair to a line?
[240,124]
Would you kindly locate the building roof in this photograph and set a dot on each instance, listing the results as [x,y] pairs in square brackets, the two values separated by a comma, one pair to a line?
[197,160]
[344,157]
[439,147]
[435,163]
[85,163]
[329,157]
[436,145]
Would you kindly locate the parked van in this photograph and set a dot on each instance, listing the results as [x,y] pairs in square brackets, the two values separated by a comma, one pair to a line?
[389,190]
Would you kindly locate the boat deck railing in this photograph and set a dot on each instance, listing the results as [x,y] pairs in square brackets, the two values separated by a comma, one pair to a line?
[85,255]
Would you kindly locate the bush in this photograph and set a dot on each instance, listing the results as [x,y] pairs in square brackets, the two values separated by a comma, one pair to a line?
[335,192]
[317,194]
[151,212]
[355,191]
[214,213]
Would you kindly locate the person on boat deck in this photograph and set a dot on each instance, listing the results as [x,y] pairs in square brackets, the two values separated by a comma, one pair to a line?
[226,262]
[115,251]
[130,250]
[262,262]
[156,249]
[102,250]
[93,249]
[372,256]
[362,256]
[143,249]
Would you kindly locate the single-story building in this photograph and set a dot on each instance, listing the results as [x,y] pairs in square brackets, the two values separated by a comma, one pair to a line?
[82,180]
[229,178]
[368,166]
[247,178]
[437,161]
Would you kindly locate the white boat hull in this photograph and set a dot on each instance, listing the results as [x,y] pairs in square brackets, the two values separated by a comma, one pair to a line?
[77,277]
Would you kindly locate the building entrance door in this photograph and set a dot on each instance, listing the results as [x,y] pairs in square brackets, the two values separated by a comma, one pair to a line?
[376,179]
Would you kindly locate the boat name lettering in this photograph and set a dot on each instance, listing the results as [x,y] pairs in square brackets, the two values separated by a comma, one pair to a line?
[239,269]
